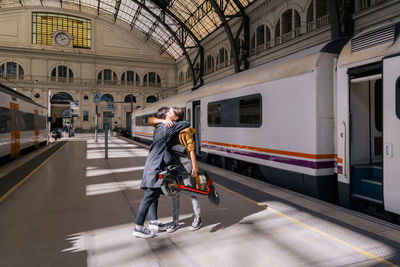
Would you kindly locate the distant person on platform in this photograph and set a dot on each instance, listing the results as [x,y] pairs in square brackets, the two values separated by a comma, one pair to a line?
[157,159]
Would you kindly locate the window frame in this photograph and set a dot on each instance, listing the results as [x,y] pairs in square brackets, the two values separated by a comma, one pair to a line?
[230,112]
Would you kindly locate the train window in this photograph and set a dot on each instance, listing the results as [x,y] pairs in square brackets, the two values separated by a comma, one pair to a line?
[143,120]
[250,110]
[40,122]
[5,120]
[29,121]
[214,114]
[378,105]
[398,98]
[244,111]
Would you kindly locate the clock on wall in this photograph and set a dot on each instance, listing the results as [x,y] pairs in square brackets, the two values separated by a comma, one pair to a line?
[62,38]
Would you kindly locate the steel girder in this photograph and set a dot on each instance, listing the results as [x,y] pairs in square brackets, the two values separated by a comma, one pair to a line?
[235,42]
[197,73]
[197,81]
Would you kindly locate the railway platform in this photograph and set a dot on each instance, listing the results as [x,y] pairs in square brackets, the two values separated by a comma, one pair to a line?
[66,205]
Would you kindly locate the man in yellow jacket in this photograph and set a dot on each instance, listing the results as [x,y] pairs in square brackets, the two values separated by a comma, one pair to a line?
[188,163]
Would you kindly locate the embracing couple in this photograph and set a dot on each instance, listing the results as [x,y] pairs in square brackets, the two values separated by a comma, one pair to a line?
[170,129]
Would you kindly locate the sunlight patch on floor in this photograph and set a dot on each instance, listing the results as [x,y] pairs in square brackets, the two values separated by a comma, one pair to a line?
[98,172]
[116,153]
[105,188]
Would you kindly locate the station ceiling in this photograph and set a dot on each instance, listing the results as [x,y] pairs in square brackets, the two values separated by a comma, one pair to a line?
[174,24]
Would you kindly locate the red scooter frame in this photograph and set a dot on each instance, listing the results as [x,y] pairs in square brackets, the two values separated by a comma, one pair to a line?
[173,183]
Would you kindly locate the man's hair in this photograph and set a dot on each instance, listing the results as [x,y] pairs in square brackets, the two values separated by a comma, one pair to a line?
[162,112]
[178,112]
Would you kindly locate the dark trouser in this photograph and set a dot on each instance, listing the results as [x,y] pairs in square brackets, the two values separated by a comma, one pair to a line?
[149,204]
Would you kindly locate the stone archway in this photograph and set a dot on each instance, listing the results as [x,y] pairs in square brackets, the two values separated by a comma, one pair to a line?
[60,108]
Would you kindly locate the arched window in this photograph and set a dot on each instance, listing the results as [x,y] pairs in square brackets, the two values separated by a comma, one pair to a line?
[222,58]
[107,76]
[62,74]
[290,25]
[151,99]
[321,12]
[152,79]
[130,78]
[209,64]
[130,98]
[267,38]
[310,17]
[61,98]
[107,98]
[197,69]
[317,14]
[189,75]
[260,34]
[11,71]
[278,33]
[253,45]
[181,78]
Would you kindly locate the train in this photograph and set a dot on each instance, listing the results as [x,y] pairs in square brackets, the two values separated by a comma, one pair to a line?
[23,123]
[323,121]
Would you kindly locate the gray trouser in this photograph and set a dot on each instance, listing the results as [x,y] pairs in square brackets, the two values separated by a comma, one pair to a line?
[187,165]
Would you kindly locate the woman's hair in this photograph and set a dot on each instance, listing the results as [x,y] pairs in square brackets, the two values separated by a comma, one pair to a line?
[178,112]
[161,112]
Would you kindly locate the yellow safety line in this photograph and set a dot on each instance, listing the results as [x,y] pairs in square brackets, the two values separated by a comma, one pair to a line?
[9,192]
[337,240]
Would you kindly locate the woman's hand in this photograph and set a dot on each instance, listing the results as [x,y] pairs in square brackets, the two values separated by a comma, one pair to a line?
[194,172]
[168,123]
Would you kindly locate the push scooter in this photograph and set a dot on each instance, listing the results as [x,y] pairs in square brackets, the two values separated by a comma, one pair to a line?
[173,183]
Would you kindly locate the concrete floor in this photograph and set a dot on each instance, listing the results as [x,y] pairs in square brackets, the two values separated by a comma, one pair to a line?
[77,209]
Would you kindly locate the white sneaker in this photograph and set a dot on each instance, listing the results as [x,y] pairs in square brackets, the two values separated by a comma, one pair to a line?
[172,227]
[157,226]
[142,232]
[196,224]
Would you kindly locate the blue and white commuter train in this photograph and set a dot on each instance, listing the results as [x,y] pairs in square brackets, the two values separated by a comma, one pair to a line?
[312,122]
[23,123]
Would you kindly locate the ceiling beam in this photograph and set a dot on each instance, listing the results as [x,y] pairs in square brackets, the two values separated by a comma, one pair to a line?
[117,7]
[228,32]
[173,34]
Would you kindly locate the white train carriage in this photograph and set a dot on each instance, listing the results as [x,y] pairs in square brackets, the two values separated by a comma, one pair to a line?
[368,119]
[23,123]
[278,116]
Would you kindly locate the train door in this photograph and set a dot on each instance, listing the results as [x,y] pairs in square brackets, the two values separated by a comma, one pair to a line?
[196,124]
[366,160]
[391,133]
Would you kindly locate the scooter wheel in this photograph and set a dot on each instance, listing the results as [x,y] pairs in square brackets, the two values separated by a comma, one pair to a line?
[169,190]
[213,195]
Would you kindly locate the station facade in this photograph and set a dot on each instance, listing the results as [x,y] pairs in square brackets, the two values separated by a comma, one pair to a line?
[57,53]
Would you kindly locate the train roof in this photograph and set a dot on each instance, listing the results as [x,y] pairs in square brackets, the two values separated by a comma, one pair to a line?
[371,45]
[295,64]
[8,90]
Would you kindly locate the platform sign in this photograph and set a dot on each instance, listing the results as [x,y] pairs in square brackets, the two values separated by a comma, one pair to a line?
[96,97]
[110,105]
[74,105]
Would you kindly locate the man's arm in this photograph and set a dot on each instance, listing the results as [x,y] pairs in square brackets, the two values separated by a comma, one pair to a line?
[153,121]
[177,127]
